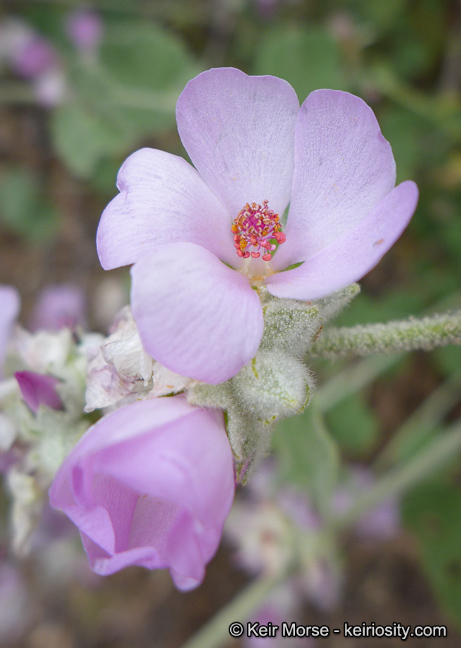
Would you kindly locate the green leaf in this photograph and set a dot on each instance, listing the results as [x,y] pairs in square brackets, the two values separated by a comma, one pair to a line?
[405,132]
[353,424]
[306,58]
[82,138]
[368,310]
[448,358]
[129,92]
[433,513]
[308,456]
[103,180]
[23,209]
[146,69]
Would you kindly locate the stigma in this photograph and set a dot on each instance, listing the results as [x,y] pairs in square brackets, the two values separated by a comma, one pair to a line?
[254,228]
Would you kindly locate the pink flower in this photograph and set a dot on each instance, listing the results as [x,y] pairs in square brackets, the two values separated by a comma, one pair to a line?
[35,58]
[85,29]
[150,484]
[59,306]
[203,240]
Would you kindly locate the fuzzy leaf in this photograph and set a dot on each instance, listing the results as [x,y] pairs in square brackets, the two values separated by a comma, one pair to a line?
[309,456]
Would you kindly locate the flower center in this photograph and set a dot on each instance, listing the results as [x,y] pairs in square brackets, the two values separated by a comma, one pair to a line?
[254,228]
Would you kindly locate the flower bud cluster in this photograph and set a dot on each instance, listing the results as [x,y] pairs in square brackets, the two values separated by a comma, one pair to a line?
[41,418]
[63,379]
[277,383]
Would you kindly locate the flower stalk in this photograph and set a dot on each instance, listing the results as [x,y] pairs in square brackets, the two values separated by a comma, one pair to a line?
[397,336]
[216,632]
[402,477]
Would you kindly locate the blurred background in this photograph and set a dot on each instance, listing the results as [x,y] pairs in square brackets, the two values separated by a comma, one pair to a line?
[83,86]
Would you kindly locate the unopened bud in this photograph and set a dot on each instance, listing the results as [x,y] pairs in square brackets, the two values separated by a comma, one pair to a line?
[273,385]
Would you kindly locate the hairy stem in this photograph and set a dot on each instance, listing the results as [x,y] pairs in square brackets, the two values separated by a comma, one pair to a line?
[394,337]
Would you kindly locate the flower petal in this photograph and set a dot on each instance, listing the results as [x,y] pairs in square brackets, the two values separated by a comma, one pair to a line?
[239,133]
[195,315]
[343,168]
[348,259]
[150,484]
[59,306]
[38,389]
[162,200]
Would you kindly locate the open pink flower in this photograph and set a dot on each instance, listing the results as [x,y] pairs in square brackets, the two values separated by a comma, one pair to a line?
[150,484]
[201,239]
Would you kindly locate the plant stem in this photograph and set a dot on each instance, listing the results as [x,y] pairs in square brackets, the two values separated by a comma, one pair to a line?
[216,632]
[396,481]
[422,421]
[394,337]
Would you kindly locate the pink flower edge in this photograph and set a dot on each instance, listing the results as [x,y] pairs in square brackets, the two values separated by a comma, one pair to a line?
[151,485]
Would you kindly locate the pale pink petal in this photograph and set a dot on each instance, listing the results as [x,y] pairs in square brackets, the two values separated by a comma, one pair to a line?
[162,200]
[131,422]
[59,306]
[239,133]
[348,259]
[150,484]
[38,389]
[343,168]
[195,315]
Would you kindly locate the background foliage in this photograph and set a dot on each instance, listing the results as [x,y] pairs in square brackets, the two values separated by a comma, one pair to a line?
[57,171]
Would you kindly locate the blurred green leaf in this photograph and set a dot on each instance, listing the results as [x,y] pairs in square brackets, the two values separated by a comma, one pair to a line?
[129,92]
[382,15]
[104,177]
[405,133]
[82,138]
[308,456]
[49,21]
[448,358]
[353,424]
[433,513]
[147,68]
[369,310]
[23,209]
[306,58]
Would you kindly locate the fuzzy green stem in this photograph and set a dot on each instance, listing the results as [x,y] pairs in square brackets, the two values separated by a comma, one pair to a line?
[216,632]
[394,337]
[402,477]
